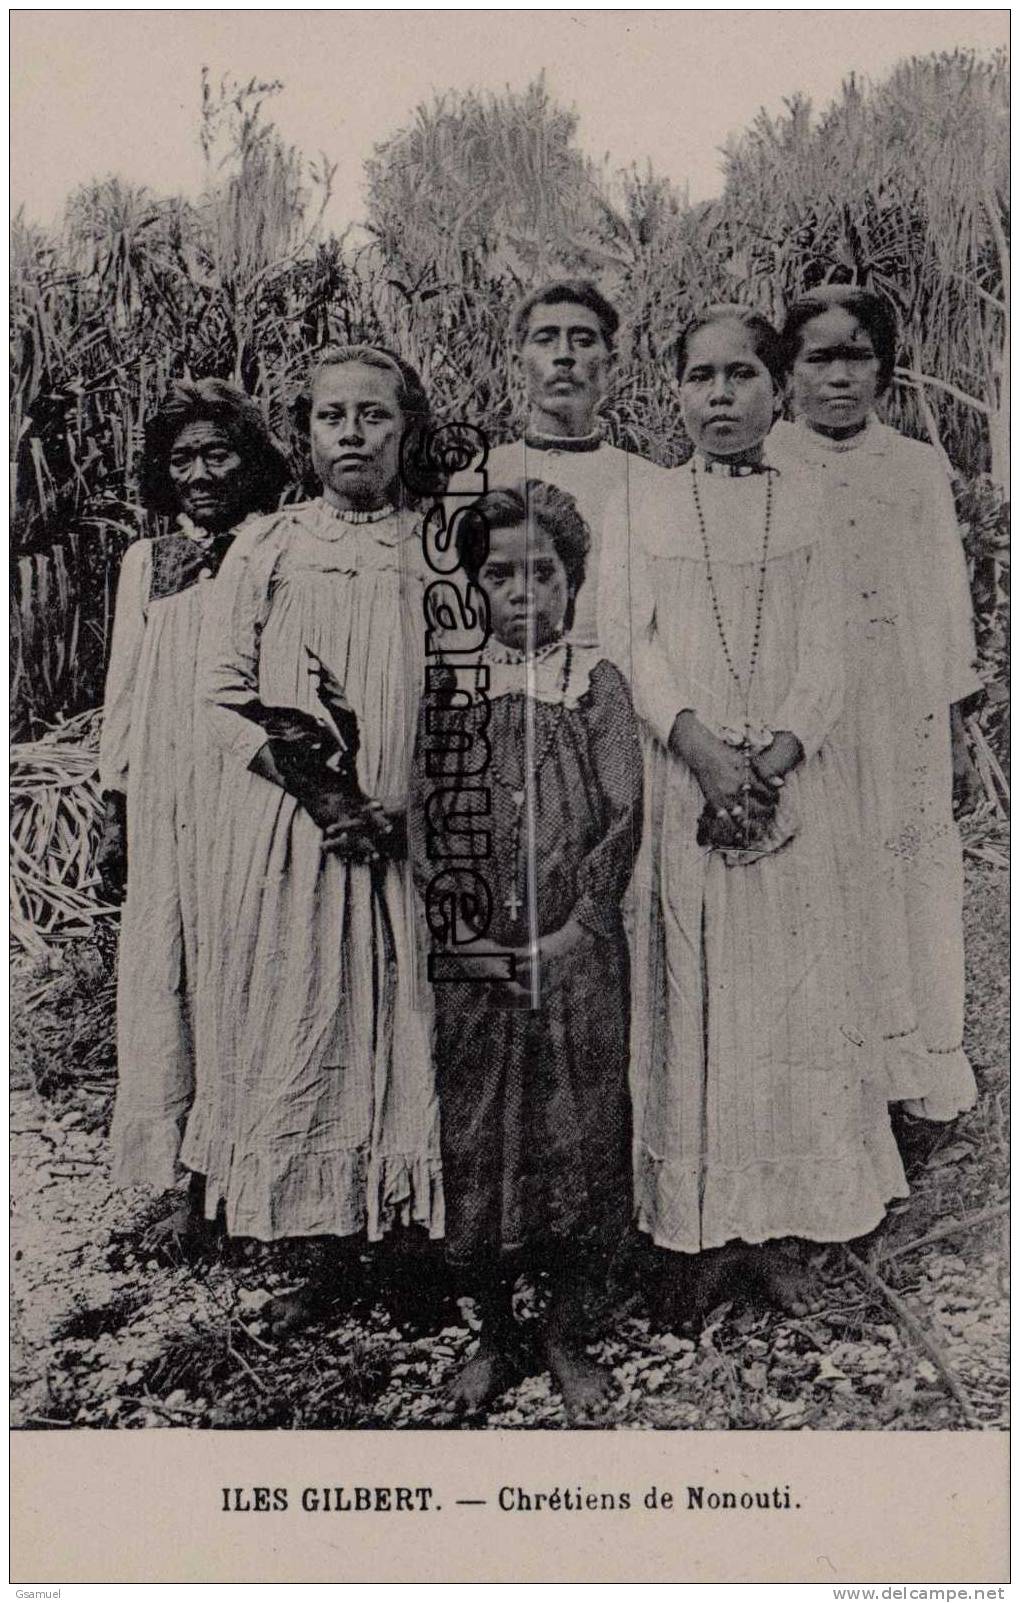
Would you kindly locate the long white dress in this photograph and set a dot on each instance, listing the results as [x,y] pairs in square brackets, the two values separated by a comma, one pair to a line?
[152,751]
[757,1114]
[910,653]
[315,1111]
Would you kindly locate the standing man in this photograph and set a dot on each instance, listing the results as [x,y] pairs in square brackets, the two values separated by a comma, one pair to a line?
[563,337]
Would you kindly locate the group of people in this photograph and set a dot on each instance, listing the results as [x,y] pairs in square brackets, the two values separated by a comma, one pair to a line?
[720,733]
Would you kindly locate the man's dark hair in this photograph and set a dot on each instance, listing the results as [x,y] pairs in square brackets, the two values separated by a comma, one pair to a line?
[211,400]
[566,291]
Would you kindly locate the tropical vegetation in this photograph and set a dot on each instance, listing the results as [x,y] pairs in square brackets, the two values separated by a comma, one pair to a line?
[899,185]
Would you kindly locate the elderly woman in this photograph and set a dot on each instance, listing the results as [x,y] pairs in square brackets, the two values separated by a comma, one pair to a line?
[910,656]
[320,1118]
[208,462]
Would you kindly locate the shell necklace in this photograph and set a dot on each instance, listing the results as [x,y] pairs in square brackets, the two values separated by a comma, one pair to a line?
[355,517]
[518,789]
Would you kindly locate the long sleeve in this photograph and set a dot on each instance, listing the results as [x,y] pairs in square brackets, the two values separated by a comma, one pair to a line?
[228,672]
[125,656]
[628,625]
[615,751]
[950,564]
[815,698]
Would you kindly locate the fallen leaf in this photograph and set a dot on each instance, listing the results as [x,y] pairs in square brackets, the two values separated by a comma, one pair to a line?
[253,1301]
[827,1371]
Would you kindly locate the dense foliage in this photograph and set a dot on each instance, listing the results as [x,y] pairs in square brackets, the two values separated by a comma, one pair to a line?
[900,186]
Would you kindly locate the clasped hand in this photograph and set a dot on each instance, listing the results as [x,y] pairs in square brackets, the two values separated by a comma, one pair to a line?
[742,795]
[534,960]
[488,958]
[363,833]
[537,959]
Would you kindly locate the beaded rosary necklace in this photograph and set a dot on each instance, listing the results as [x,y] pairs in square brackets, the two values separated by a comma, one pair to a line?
[518,792]
[745,690]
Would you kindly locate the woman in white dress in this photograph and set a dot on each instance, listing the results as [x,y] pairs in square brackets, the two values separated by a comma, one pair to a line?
[910,662]
[208,462]
[757,1118]
[318,1114]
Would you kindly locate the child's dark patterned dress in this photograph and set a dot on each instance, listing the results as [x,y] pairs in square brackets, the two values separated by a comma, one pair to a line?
[534,1105]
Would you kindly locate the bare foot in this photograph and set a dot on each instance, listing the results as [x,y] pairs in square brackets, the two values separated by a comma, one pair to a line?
[182,1235]
[917,1138]
[482,1379]
[710,1282]
[294,1310]
[780,1279]
[584,1385]
[688,1286]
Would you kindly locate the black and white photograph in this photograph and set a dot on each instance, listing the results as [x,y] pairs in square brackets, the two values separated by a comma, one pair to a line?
[510,715]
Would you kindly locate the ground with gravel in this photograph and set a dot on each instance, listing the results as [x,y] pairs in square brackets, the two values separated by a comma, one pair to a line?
[112,1329]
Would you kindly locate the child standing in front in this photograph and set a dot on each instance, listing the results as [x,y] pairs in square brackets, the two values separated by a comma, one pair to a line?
[532,1075]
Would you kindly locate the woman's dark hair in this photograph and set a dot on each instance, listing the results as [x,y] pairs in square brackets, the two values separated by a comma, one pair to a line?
[871,311]
[411,398]
[504,507]
[764,338]
[211,400]
[566,292]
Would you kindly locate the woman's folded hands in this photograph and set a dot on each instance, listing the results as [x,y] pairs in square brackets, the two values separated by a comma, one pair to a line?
[307,760]
[738,798]
[366,833]
[741,791]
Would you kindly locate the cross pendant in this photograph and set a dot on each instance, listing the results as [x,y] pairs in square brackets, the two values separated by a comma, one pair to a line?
[513,904]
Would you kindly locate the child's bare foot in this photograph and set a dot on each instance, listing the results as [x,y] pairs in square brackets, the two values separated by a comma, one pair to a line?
[687,1286]
[711,1282]
[584,1385]
[482,1378]
[294,1310]
[330,1291]
[781,1279]
[917,1138]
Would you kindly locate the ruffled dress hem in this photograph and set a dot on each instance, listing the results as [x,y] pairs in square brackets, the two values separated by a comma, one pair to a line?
[821,1198]
[327,1194]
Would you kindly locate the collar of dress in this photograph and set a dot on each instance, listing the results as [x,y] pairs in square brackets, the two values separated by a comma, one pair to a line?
[730,470]
[353,516]
[384,524]
[540,675]
[205,537]
[869,440]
